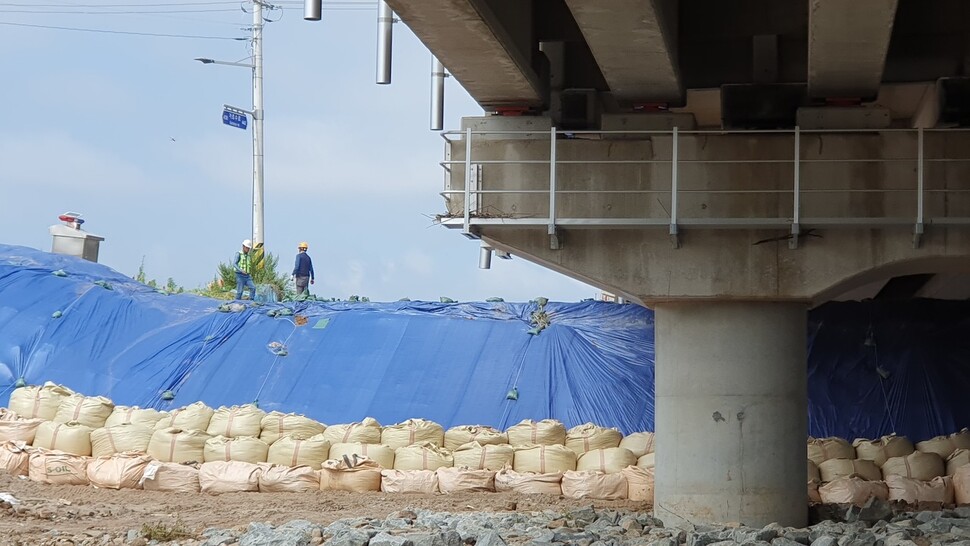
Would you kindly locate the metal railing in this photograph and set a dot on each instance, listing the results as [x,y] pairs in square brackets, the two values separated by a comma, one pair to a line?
[894,182]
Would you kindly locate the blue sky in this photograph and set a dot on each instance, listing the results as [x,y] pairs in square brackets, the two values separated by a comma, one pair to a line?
[350,167]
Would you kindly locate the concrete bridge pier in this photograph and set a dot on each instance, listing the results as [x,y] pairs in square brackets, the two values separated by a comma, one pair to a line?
[731,406]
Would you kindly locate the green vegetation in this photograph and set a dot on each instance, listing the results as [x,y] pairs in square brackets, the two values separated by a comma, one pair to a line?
[164,533]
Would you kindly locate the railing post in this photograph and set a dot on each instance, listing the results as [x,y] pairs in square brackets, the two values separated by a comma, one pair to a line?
[674,231]
[554,243]
[796,190]
[918,229]
[466,227]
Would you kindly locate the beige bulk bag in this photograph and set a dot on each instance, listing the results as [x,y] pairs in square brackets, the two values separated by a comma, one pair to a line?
[484,457]
[413,431]
[286,479]
[918,465]
[14,458]
[362,474]
[379,453]
[852,491]
[73,438]
[545,432]
[120,438]
[409,481]
[195,416]
[9,415]
[961,485]
[367,431]
[175,477]
[218,477]
[276,425]
[639,483]
[648,461]
[957,459]
[823,449]
[528,483]
[813,473]
[458,480]
[938,490]
[944,446]
[460,435]
[245,448]
[640,443]
[593,484]
[610,460]
[814,497]
[295,450]
[543,459]
[38,402]
[90,411]
[882,449]
[423,456]
[833,469]
[19,430]
[123,415]
[236,421]
[57,468]
[121,471]
[587,437]
[174,445]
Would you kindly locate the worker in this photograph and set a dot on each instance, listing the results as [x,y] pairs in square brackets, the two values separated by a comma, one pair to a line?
[303,270]
[242,263]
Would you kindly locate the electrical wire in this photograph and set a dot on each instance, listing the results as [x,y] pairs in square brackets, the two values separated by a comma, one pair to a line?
[99,6]
[125,12]
[130,33]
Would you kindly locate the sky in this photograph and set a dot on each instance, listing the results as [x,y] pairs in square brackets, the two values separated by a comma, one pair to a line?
[127,130]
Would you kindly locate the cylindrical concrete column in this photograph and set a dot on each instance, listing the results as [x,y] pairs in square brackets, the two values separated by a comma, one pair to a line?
[731,413]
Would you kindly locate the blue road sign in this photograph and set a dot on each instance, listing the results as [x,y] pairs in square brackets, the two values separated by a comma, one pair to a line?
[234,119]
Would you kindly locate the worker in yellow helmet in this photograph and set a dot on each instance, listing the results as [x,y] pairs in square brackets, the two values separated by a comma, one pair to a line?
[303,270]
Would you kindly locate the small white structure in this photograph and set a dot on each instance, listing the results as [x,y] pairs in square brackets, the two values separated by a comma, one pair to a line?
[70,239]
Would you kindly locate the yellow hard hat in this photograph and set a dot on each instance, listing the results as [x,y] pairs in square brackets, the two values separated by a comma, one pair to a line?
[303,245]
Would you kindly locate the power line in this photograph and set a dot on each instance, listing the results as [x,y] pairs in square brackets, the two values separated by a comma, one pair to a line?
[125,12]
[159,5]
[104,31]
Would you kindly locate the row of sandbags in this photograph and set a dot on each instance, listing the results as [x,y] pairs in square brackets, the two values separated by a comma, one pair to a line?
[880,450]
[856,490]
[874,460]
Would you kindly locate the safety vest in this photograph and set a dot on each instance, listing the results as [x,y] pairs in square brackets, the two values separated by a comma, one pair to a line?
[244,262]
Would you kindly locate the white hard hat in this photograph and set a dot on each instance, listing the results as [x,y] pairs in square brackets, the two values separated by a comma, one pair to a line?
[247,243]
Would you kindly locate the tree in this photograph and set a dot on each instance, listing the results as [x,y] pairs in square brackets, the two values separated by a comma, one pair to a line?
[264,270]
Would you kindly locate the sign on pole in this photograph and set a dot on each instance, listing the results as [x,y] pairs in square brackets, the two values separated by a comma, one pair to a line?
[235,119]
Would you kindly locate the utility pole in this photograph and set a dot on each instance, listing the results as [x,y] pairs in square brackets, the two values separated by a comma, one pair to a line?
[257,123]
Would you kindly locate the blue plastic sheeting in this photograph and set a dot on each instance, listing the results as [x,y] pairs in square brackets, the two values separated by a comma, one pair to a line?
[452,363]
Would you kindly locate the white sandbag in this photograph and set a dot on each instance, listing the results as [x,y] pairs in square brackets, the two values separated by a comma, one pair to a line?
[236,421]
[409,481]
[367,431]
[648,461]
[609,460]
[218,477]
[593,484]
[195,416]
[244,448]
[286,479]
[813,473]
[944,446]
[57,468]
[938,490]
[120,471]
[18,429]
[639,483]
[413,431]
[107,441]
[174,445]
[175,477]
[73,438]
[957,459]
[276,425]
[476,456]
[882,449]
[90,411]
[961,485]
[529,432]
[458,480]
[833,469]
[362,474]
[528,483]
[823,449]
[918,465]
[379,453]
[640,443]
[460,435]
[38,402]
[852,491]
[14,458]
[295,450]
[423,456]
[814,497]
[587,437]
[123,415]
[543,459]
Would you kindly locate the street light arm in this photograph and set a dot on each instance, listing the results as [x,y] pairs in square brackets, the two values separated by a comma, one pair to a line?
[204,60]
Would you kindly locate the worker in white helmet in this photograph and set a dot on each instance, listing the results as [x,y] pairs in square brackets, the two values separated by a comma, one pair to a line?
[242,263]
[303,269]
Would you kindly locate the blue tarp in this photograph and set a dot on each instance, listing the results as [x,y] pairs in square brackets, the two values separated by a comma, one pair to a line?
[452,363]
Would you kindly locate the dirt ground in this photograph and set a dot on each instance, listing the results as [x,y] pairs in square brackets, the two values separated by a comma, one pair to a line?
[84,510]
